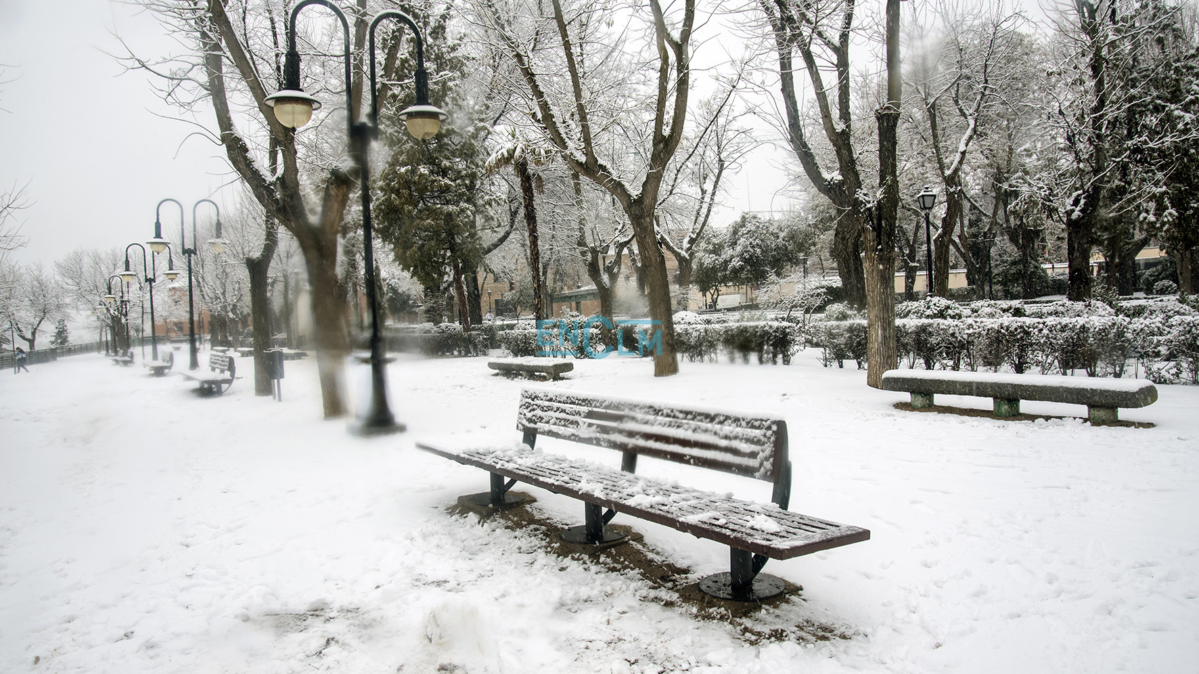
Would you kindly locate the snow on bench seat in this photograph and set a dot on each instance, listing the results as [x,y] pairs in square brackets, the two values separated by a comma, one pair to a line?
[764,529]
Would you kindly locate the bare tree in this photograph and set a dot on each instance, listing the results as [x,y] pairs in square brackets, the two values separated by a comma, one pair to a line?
[865,238]
[709,155]
[30,299]
[11,202]
[570,110]
[964,76]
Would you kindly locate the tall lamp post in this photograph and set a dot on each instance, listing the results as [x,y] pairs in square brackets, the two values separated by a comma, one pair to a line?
[128,276]
[926,200]
[159,244]
[293,108]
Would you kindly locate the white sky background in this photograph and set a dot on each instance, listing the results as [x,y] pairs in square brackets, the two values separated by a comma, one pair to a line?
[89,140]
[85,137]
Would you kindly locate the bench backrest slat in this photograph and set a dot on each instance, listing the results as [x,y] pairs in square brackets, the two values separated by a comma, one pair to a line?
[219,362]
[743,445]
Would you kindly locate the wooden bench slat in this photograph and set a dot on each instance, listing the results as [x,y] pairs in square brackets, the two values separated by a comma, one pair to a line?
[738,444]
[759,528]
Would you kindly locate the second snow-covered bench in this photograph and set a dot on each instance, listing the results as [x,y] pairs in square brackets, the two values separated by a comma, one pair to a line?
[746,445]
[549,367]
[1103,397]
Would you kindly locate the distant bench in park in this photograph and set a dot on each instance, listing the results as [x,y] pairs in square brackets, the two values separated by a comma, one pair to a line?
[222,370]
[163,365]
[550,368]
[745,445]
[1103,397]
[123,358]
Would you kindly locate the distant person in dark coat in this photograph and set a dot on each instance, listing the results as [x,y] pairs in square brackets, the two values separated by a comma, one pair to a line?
[21,360]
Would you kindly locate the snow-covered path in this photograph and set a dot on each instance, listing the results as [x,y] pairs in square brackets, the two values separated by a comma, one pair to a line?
[145,529]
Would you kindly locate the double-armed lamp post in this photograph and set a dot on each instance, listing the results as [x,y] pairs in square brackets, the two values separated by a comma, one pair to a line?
[159,244]
[293,109]
[122,310]
[926,200]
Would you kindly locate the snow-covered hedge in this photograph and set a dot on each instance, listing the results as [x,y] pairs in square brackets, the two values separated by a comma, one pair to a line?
[768,341]
[444,339]
[1165,348]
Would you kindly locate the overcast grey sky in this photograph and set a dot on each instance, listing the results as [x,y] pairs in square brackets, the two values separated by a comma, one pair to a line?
[92,144]
[84,136]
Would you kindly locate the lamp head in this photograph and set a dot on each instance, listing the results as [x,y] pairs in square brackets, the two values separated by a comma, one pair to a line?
[110,298]
[128,276]
[423,121]
[293,108]
[926,199]
[171,274]
[158,244]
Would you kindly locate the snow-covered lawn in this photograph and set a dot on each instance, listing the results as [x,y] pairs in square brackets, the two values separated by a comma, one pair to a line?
[145,529]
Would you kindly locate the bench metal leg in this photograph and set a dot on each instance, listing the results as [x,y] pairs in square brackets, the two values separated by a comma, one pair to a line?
[1006,408]
[922,400]
[744,582]
[498,496]
[594,532]
[1103,415]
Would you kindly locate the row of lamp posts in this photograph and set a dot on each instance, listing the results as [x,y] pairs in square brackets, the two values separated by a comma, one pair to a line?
[149,273]
[293,108]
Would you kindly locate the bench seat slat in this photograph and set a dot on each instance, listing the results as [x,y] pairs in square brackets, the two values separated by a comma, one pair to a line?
[759,528]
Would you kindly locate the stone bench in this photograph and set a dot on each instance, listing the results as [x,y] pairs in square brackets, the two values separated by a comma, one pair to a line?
[551,368]
[750,446]
[1103,397]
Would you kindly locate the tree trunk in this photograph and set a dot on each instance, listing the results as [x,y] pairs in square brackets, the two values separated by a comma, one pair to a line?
[847,251]
[329,318]
[1186,270]
[658,284]
[474,296]
[526,189]
[879,238]
[1078,258]
[260,302]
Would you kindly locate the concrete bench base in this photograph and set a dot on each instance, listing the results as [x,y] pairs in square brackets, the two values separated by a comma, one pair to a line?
[1103,397]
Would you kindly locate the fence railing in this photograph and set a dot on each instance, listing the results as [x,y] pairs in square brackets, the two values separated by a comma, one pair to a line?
[53,353]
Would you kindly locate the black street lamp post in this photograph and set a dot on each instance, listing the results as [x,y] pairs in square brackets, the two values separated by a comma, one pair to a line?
[122,311]
[127,276]
[159,244]
[293,108]
[926,200]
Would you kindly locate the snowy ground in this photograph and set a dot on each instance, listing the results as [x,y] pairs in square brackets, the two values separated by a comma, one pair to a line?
[144,529]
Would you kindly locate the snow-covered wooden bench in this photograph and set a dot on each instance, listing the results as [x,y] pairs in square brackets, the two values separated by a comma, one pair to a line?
[162,366]
[549,367]
[1103,397]
[222,370]
[746,445]
[123,358]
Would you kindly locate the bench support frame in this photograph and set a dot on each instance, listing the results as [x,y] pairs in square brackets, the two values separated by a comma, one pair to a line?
[922,400]
[743,582]
[1006,408]
[1103,415]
